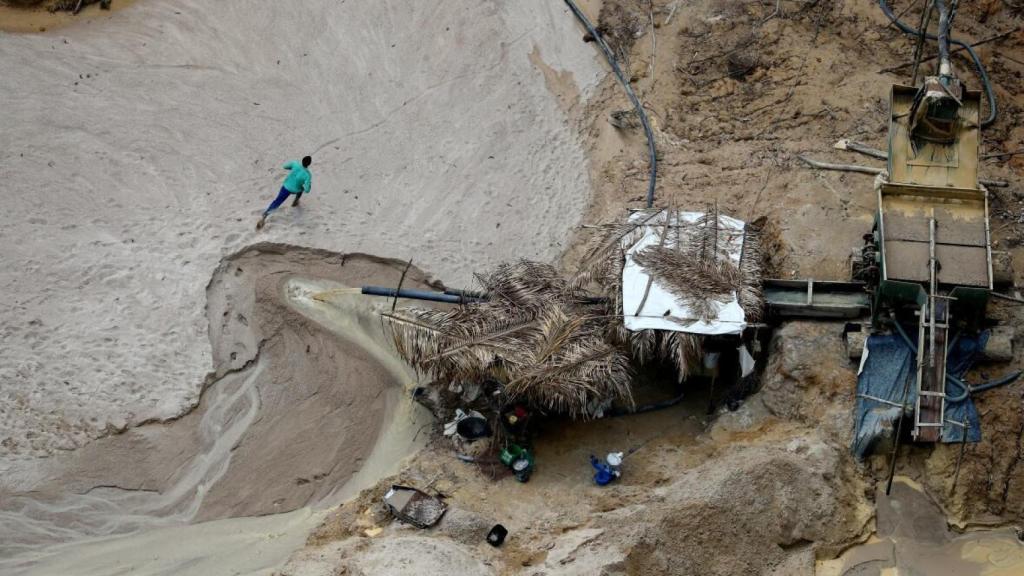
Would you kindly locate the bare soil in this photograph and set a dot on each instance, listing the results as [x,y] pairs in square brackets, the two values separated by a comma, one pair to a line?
[735,92]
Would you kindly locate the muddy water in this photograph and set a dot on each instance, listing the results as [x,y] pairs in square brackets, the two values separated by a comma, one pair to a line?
[106,529]
[913,539]
[104,511]
[354,318]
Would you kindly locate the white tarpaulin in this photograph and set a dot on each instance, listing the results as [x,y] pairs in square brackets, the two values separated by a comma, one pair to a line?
[662,310]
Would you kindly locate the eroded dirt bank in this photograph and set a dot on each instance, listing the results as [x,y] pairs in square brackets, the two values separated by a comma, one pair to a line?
[736,91]
[303,396]
[762,490]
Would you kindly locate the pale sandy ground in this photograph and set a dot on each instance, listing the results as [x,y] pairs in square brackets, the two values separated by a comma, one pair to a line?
[434,136]
[433,133]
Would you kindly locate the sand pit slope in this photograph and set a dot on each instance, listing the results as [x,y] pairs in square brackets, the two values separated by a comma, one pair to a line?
[310,404]
[138,150]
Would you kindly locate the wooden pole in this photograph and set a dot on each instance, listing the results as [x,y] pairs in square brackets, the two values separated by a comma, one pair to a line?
[394,303]
[896,439]
[960,459]
[650,277]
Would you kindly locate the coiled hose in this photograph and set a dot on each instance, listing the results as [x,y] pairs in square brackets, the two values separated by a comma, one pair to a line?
[989,94]
[610,56]
[966,389]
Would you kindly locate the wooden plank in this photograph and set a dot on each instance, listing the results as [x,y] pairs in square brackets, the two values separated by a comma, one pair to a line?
[931,193]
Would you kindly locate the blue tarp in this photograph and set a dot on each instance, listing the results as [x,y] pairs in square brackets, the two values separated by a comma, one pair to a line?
[888,368]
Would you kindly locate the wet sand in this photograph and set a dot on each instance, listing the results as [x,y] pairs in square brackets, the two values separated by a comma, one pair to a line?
[318,409]
[912,538]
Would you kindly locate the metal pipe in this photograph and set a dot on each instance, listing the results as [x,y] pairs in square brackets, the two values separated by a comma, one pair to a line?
[945,67]
[899,433]
[413,294]
[1006,297]
[933,288]
[476,294]
[993,109]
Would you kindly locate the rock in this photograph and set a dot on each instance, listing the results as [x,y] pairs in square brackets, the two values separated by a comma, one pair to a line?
[807,370]
[464,526]
[755,507]
[999,347]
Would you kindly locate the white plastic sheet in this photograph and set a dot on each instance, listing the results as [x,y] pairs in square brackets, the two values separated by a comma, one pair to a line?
[662,310]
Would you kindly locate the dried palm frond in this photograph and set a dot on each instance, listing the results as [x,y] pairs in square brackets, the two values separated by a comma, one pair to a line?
[751,295]
[526,284]
[683,349]
[584,372]
[772,246]
[607,246]
[533,333]
[699,283]
[552,346]
[693,262]
[644,345]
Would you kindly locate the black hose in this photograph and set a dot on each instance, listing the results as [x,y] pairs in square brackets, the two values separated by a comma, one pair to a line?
[997,382]
[989,93]
[967,389]
[629,92]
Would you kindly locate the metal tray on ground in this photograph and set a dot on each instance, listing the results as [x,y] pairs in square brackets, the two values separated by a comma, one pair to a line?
[414,506]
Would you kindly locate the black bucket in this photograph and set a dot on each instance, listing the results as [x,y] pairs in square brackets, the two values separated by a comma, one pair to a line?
[473,427]
[497,535]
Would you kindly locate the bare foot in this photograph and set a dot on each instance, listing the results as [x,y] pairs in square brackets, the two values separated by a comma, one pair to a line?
[261,222]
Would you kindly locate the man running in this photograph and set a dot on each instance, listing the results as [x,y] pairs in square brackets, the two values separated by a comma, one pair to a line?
[298,183]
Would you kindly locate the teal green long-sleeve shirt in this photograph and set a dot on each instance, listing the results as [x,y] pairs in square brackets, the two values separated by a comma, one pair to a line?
[299,180]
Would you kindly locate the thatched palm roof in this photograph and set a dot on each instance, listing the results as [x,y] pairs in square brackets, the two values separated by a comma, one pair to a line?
[537,333]
[552,346]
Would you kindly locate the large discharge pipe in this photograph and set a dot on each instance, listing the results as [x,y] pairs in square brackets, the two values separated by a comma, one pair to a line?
[989,93]
[945,66]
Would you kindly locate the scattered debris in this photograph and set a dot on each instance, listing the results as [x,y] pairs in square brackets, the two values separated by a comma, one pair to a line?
[607,470]
[520,460]
[414,506]
[624,119]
